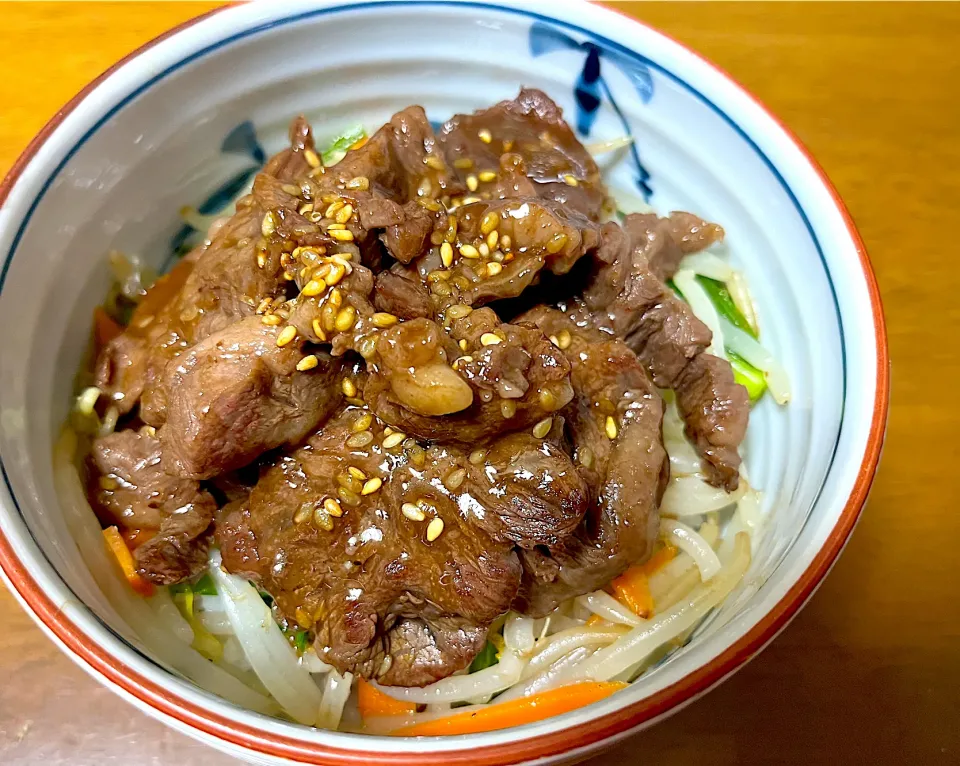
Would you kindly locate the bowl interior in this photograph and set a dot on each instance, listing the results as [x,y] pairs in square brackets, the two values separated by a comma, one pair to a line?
[200,110]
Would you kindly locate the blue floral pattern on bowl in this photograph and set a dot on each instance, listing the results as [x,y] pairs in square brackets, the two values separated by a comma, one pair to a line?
[591,88]
[242,140]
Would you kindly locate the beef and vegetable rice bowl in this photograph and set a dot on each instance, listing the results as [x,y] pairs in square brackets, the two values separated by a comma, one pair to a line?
[430,434]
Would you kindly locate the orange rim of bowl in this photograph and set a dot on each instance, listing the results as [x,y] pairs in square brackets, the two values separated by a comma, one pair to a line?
[585,734]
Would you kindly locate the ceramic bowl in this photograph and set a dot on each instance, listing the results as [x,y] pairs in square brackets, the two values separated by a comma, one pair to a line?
[192,114]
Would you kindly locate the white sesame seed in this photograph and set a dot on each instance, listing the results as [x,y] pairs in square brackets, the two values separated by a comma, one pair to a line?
[458,311]
[343,215]
[393,440]
[341,235]
[455,478]
[434,529]
[412,512]
[547,400]
[542,428]
[335,274]
[345,318]
[362,423]
[286,335]
[611,427]
[446,254]
[308,363]
[322,519]
[556,243]
[269,224]
[360,440]
[333,507]
[371,486]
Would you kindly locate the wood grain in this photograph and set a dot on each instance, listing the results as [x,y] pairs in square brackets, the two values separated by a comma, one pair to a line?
[870,671]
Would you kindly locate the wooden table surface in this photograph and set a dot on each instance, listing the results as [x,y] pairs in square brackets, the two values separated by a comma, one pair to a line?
[870,670]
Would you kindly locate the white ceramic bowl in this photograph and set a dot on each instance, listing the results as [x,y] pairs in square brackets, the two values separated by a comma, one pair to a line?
[112,169]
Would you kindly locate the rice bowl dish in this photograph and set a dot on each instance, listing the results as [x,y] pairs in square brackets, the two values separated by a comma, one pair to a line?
[387,341]
[724,160]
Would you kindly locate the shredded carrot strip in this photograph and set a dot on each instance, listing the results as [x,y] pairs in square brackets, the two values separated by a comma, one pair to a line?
[595,619]
[515,712]
[122,553]
[633,586]
[134,538]
[105,328]
[661,557]
[359,143]
[633,589]
[373,702]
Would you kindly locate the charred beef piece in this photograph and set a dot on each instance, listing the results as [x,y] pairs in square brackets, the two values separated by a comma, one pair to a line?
[339,315]
[715,409]
[506,378]
[495,250]
[172,514]
[626,298]
[390,596]
[532,127]
[542,497]
[401,293]
[668,239]
[614,424]
[238,394]
[531,235]
[390,183]
[410,235]
[212,287]
[132,360]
